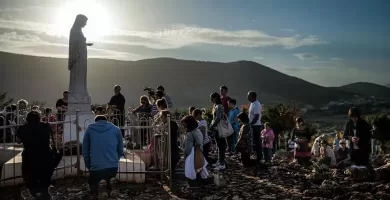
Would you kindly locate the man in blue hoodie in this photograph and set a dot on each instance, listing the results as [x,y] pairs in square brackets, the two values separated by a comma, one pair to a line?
[102,149]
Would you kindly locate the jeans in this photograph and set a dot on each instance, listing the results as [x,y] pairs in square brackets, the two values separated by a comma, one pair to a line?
[246,159]
[232,141]
[362,157]
[206,151]
[221,143]
[257,141]
[267,154]
[96,176]
[37,177]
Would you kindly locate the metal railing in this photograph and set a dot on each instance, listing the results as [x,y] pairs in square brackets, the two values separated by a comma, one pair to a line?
[147,147]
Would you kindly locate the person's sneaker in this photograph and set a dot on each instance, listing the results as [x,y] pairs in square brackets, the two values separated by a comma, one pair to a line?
[220,167]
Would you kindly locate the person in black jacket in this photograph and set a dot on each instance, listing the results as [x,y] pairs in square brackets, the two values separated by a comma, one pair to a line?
[175,150]
[37,157]
[117,105]
[359,132]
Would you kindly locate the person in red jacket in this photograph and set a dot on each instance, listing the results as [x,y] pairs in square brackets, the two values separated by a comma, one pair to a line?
[224,98]
[49,117]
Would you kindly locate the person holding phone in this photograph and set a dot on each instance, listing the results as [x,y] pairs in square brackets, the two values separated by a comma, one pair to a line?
[358,131]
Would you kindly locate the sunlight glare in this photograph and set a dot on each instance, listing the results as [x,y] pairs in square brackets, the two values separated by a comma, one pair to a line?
[98,20]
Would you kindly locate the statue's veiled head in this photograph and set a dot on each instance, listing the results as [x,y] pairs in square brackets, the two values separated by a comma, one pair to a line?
[80,21]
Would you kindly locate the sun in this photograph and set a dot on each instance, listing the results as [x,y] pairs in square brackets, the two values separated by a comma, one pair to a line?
[98,23]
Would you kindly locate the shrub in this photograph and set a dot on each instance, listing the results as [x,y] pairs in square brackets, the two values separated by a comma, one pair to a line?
[4,100]
[280,116]
[382,129]
[207,114]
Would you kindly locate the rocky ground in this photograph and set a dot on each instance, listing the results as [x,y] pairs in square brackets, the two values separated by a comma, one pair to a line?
[282,180]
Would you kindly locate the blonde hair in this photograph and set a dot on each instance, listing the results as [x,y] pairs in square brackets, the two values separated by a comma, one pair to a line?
[22,101]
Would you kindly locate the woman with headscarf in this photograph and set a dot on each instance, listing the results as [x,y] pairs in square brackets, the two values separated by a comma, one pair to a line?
[37,158]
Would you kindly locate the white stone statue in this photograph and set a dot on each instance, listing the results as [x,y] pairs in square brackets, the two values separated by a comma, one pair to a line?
[77,63]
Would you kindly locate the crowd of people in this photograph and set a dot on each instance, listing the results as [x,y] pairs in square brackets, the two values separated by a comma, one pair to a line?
[102,146]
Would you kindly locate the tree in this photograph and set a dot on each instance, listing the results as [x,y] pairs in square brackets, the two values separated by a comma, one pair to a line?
[207,114]
[4,100]
[178,114]
[280,116]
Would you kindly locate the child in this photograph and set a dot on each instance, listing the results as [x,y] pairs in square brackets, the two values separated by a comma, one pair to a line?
[232,115]
[327,155]
[267,135]
[57,131]
[202,126]
[291,147]
[244,143]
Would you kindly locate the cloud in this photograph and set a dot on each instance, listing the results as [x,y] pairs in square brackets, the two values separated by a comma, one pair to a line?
[336,59]
[177,36]
[258,58]
[180,36]
[33,45]
[13,36]
[289,30]
[36,27]
[305,56]
[333,60]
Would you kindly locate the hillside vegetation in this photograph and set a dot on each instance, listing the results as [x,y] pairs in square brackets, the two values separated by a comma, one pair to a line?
[188,82]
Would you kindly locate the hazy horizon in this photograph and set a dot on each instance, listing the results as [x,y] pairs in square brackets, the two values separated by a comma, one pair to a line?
[328,43]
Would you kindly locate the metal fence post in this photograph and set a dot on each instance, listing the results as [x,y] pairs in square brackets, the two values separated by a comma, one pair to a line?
[169,152]
[78,144]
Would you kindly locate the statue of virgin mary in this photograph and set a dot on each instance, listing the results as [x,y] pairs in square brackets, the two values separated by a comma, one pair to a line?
[77,62]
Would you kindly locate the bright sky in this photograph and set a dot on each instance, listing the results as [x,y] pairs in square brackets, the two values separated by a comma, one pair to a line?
[328,42]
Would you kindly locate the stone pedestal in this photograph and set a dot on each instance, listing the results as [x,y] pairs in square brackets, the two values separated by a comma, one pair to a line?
[133,163]
[82,106]
[66,168]
[70,129]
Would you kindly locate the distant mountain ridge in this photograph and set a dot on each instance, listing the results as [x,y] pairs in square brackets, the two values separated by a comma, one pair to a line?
[188,82]
[367,89]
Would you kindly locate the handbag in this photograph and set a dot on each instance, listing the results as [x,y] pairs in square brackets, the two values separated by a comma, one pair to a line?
[198,158]
[57,156]
[225,129]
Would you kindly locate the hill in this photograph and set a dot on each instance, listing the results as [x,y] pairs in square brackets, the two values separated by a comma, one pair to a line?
[388,85]
[367,89]
[188,82]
